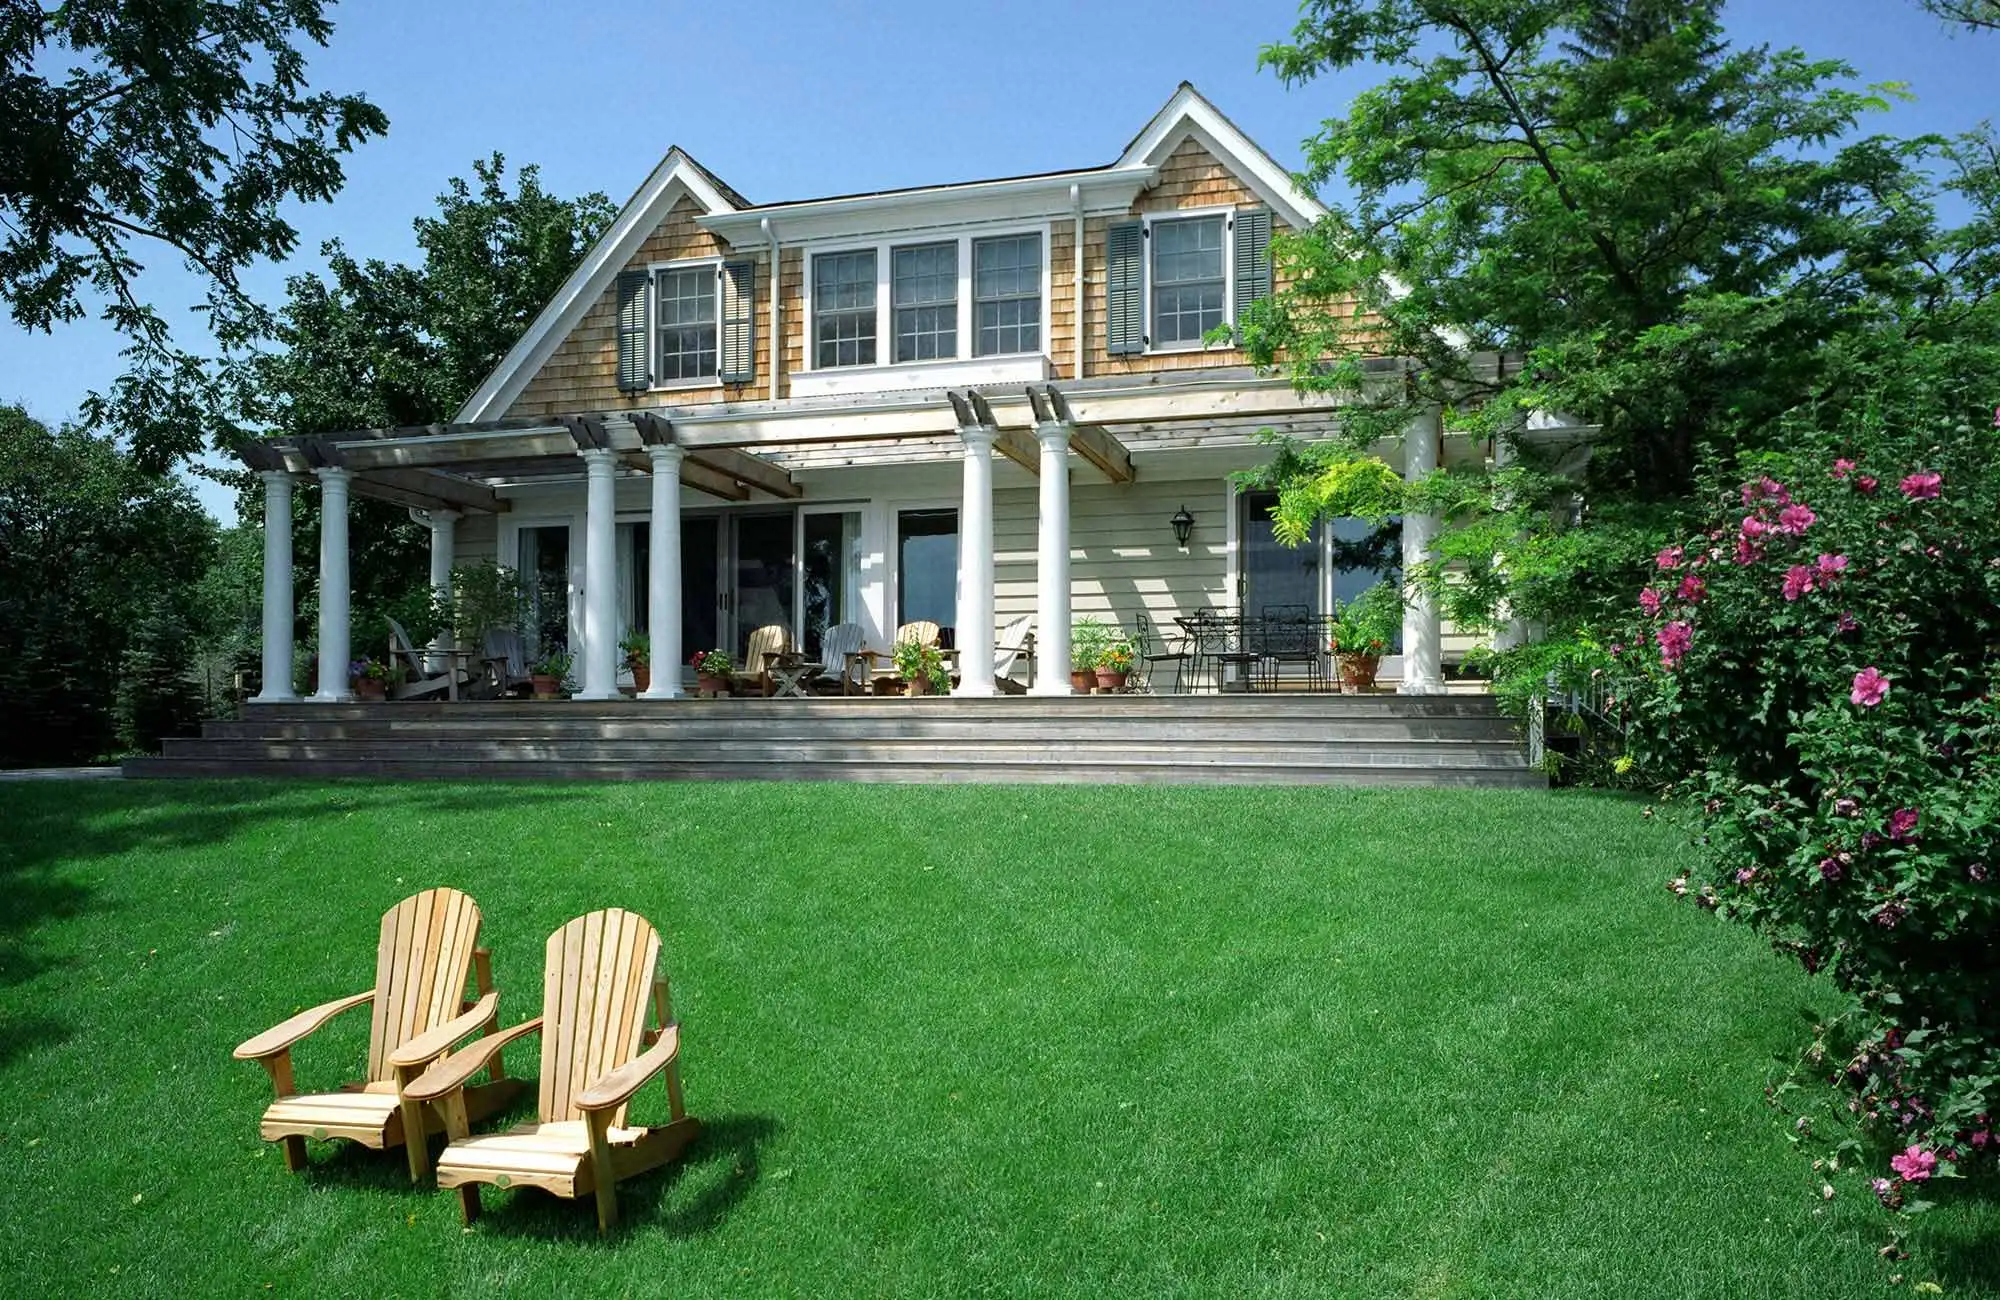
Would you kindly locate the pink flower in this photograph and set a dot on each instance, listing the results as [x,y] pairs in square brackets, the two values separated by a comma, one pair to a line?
[1649,600]
[1675,639]
[1921,486]
[1754,527]
[1870,686]
[1795,519]
[1829,565]
[1864,483]
[1915,1164]
[1748,552]
[1692,588]
[1744,875]
[1766,488]
[1831,869]
[1798,581]
[1901,823]
[1843,467]
[1847,622]
[1670,558]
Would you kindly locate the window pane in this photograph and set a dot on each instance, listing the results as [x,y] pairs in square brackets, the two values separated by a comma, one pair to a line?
[1007,294]
[844,309]
[832,575]
[685,314]
[1187,279]
[927,567]
[923,287]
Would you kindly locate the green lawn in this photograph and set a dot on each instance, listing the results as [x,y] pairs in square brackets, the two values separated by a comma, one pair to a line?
[947,1041]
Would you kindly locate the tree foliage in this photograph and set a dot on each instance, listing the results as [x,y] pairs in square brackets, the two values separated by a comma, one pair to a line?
[185,125]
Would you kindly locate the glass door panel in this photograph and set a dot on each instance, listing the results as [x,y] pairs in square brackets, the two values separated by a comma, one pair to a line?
[830,580]
[761,572]
[927,567]
[545,573]
[701,588]
[1275,574]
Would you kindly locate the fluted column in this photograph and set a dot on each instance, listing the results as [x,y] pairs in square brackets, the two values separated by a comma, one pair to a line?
[1423,633]
[663,578]
[599,659]
[278,608]
[1052,616]
[444,553]
[334,648]
[975,564]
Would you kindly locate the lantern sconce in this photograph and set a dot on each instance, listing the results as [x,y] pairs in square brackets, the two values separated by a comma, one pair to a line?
[1183,523]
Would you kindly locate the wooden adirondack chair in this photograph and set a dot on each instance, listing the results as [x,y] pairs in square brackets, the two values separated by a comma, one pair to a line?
[870,666]
[771,639]
[428,945]
[839,648]
[599,970]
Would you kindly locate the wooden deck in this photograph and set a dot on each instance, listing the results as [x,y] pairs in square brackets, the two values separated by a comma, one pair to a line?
[1228,739]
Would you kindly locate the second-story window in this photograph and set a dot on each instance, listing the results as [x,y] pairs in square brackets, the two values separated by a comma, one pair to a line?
[685,316]
[1189,282]
[844,309]
[1007,294]
[923,291]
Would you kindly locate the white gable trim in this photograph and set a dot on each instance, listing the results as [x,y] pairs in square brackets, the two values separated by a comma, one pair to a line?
[1188,114]
[677,175]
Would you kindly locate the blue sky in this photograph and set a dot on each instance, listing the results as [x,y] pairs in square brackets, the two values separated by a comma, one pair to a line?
[797,100]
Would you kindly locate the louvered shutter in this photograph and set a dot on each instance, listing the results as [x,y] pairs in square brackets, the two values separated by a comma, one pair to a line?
[635,372]
[738,362]
[1124,288]
[1253,258]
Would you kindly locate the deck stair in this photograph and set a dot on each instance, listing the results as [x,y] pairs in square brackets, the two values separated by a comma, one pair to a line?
[1229,739]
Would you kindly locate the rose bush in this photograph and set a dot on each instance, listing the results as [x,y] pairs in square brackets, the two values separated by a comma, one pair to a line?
[1825,656]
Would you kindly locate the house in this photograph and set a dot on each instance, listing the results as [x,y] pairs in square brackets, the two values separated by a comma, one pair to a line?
[963,403]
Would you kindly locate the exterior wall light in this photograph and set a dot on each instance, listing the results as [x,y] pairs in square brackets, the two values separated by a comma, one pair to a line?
[1183,523]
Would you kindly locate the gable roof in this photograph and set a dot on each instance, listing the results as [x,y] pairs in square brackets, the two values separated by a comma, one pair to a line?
[1189,113]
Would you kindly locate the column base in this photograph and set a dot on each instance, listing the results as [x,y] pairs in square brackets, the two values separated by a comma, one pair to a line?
[658,692]
[1421,687]
[340,697]
[287,698]
[1051,690]
[976,690]
[594,697]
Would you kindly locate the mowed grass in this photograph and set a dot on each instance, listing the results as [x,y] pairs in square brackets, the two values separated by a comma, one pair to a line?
[947,1042]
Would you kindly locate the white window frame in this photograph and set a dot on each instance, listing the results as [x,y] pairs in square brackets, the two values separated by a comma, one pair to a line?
[653,270]
[1228,214]
[885,315]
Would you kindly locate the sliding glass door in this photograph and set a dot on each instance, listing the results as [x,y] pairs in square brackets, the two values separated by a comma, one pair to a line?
[829,573]
[927,567]
[761,578]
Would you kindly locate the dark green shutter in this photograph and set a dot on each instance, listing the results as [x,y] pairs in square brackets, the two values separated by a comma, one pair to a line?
[635,374]
[1124,288]
[1253,258]
[738,287]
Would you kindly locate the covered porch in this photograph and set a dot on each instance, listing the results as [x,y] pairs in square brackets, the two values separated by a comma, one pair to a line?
[1103,499]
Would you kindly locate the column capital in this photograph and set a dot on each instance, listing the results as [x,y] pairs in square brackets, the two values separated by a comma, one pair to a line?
[667,456]
[331,474]
[1053,435]
[597,459]
[276,477]
[978,437]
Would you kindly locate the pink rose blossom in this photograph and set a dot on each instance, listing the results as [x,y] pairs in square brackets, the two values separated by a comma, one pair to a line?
[1870,686]
[1798,581]
[1864,483]
[1674,639]
[1843,467]
[1795,519]
[1670,558]
[1692,589]
[1829,565]
[1915,1164]
[1754,527]
[1901,823]
[1921,486]
[1649,600]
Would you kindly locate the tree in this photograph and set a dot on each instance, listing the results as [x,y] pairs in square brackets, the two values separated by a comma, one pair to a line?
[98,561]
[189,125]
[376,343]
[1970,13]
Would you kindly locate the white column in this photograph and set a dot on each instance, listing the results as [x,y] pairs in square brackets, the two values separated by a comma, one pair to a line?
[663,576]
[600,577]
[444,544]
[975,565]
[1423,636]
[334,650]
[278,610]
[1512,631]
[1052,617]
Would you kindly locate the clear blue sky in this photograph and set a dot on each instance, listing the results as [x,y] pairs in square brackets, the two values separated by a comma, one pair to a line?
[797,100]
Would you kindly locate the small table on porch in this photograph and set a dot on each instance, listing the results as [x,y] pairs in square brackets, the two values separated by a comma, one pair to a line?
[792,676]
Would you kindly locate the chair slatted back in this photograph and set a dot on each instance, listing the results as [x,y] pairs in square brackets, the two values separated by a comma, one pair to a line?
[505,644]
[1013,639]
[421,965]
[921,632]
[772,639]
[838,642]
[400,646]
[595,989]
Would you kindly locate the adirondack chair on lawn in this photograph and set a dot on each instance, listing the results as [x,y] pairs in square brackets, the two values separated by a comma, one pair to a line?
[427,946]
[594,990]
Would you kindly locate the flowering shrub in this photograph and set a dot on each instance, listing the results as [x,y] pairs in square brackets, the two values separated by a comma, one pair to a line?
[1827,652]
[712,663]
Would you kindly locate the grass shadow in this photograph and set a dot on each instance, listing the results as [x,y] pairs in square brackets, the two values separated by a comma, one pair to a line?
[721,1169]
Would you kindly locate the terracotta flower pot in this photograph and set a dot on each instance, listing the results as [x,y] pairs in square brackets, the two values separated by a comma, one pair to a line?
[1081,682]
[545,687]
[371,688]
[642,677]
[715,687]
[918,685]
[1357,672]
[1109,680]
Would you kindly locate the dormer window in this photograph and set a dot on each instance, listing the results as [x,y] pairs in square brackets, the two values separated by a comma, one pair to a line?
[969,297]
[684,313]
[1190,279]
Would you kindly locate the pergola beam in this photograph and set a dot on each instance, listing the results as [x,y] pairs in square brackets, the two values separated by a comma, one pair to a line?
[442,491]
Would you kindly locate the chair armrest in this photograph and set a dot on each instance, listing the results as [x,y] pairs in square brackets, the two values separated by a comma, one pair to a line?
[617,1087]
[440,1038]
[453,1072]
[280,1037]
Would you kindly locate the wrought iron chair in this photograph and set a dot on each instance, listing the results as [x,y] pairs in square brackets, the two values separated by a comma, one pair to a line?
[1290,636]
[1153,646]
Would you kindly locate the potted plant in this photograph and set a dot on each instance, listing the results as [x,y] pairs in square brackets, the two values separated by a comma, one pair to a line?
[1088,641]
[711,671]
[1363,632]
[638,648]
[370,678]
[1114,664]
[922,669]
[548,672]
